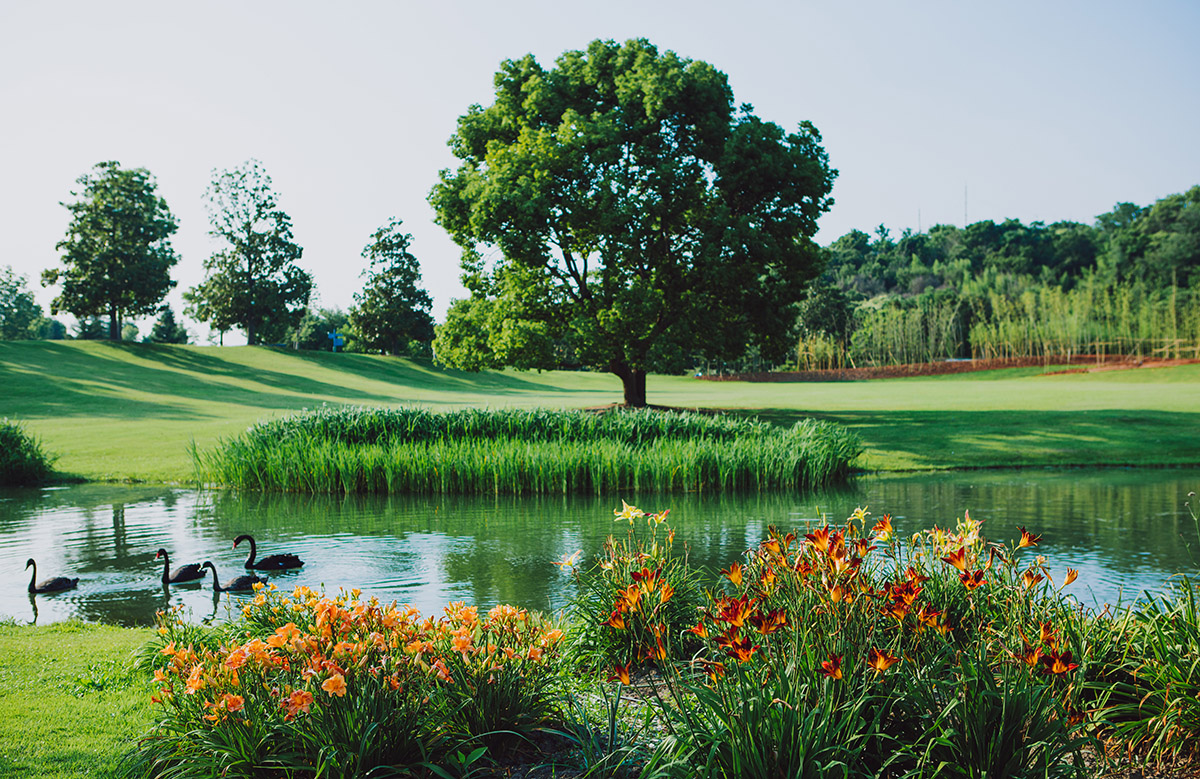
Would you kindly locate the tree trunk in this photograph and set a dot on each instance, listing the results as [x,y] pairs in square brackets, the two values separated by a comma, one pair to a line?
[114,325]
[251,333]
[634,382]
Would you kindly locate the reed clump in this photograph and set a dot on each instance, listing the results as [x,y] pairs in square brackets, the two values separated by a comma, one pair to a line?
[519,452]
[23,462]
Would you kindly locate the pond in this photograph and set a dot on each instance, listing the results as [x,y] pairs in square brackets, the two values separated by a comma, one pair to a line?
[1125,530]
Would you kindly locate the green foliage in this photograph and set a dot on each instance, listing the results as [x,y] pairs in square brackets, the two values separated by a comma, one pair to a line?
[604,631]
[117,250]
[19,312]
[23,462]
[167,330]
[635,212]
[515,452]
[313,329]
[253,282]
[343,687]
[392,310]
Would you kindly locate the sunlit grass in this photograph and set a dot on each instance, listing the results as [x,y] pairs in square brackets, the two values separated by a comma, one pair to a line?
[129,411]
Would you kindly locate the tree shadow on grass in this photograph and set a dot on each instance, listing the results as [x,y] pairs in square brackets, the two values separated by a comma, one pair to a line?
[420,373]
[955,439]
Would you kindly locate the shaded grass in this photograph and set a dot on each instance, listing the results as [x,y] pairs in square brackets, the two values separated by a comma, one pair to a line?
[70,703]
[129,411]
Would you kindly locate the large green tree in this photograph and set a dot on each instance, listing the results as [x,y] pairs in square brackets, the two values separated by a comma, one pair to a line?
[392,310]
[117,250]
[253,282]
[19,312]
[617,208]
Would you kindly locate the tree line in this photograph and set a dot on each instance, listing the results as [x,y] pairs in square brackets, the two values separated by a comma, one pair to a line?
[116,261]
[619,211]
[1129,283]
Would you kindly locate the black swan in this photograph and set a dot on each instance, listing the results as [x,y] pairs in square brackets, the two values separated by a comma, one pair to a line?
[236,584]
[57,584]
[275,562]
[185,573]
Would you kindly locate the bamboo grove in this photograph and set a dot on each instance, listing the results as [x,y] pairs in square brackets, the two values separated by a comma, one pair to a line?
[1126,285]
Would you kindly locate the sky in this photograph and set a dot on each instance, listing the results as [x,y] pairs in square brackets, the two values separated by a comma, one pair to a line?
[933,111]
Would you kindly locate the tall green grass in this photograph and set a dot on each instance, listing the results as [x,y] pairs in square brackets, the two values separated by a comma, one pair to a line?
[23,462]
[526,452]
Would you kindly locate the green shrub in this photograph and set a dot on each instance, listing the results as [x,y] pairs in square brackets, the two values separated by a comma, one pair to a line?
[23,463]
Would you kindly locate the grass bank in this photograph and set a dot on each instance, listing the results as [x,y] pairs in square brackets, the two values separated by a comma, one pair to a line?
[70,702]
[129,411]
[478,451]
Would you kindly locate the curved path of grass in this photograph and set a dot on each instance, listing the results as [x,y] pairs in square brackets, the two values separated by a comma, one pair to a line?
[128,411]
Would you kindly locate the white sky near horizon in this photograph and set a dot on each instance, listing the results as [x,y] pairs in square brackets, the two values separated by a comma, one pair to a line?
[1037,110]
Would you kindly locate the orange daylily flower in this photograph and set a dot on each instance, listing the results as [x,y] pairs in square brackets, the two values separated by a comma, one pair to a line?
[770,622]
[620,673]
[735,610]
[298,701]
[666,592]
[880,660]
[883,528]
[1072,575]
[628,512]
[973,579]
[734,574]
[1057,664]
[1030,578]
[335,685]
[699,629]
[914,577]
[232,702]
[1030,655]
[647,578]
[631,596]
[958,559]
[832,667]
[616,620]
[771,547]
[742,650]
[1047,633]
[1027,539]
[569,561]
[819,539]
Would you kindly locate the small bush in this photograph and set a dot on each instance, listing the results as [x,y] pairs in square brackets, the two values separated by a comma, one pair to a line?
[23,463]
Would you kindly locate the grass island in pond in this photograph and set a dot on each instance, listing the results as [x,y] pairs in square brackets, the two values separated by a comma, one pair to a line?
[475,451]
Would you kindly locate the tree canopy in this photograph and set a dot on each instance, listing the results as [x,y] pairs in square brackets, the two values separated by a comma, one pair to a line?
[392,310]
[618,211]
[19,312]
[253,282]
[117,251]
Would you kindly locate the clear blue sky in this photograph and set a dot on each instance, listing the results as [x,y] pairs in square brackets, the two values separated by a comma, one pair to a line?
[1042,110]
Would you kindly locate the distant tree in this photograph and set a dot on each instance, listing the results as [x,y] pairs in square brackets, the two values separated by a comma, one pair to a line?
[253,282]
[117,251]
[314,327]
[129,332]
[167,330]
[18,309]
[45,329]
[392,310]
[89,329]
[635,215]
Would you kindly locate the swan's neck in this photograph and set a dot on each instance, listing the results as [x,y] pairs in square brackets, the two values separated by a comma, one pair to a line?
[216,581]
[166,568]
[250,559]
[33,578]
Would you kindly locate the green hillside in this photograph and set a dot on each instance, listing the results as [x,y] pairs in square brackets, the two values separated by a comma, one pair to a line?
[129,411]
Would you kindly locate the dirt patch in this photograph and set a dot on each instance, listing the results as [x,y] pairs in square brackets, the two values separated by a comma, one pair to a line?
[1087,364]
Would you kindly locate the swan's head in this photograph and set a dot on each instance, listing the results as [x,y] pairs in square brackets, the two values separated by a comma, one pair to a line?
[30,562]
[161,553]
[240,539]
[208,564]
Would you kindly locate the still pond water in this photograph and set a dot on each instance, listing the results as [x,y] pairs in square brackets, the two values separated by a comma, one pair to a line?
[1126,531]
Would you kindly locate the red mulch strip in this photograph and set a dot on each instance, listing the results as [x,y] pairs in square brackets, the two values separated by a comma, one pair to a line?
[1088,364]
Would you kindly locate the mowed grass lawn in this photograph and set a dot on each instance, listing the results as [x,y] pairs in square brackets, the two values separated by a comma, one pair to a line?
[129,411]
